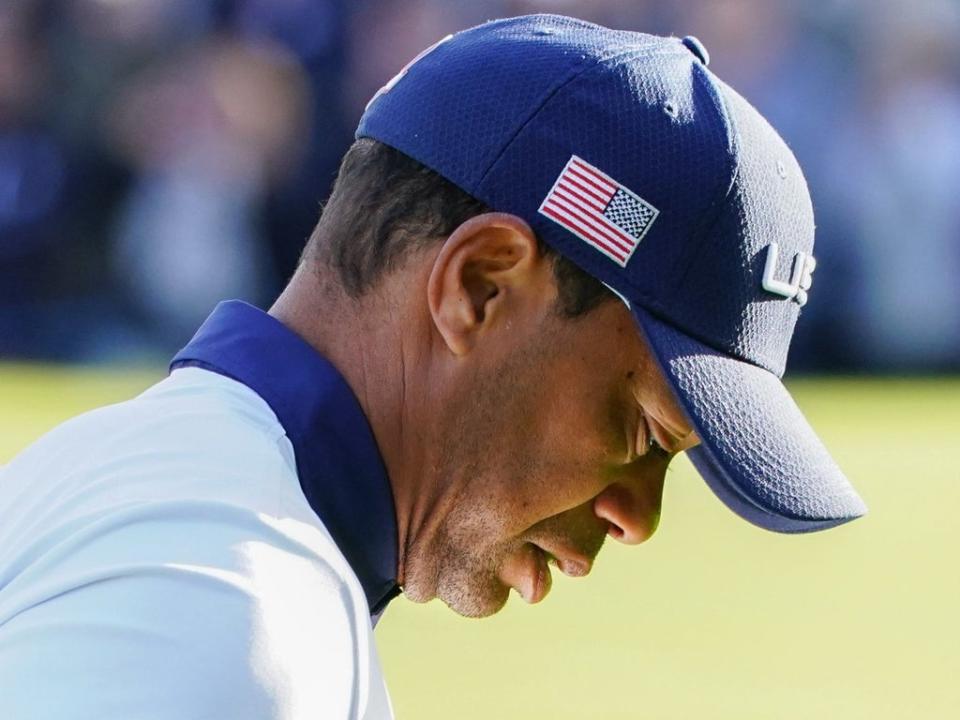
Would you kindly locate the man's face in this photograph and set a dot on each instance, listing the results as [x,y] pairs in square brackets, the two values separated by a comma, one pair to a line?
[561,439]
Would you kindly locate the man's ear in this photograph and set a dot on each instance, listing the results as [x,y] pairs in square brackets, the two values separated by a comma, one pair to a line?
[480,273]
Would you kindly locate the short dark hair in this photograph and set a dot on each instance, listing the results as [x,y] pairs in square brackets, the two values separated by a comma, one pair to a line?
[385,204]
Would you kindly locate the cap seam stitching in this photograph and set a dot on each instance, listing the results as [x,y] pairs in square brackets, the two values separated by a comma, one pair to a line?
[712,213]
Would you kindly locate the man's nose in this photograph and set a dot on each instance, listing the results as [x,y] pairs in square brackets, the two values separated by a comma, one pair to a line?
[631,506]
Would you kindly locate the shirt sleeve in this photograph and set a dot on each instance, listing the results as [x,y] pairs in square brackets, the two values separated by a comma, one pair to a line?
[184,610]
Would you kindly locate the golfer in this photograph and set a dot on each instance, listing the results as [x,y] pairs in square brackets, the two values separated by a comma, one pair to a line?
[556,256]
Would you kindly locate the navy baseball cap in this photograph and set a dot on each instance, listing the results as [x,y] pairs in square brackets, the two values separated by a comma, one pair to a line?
[627,155]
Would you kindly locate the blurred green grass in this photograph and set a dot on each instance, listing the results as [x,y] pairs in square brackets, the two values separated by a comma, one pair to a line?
[713,618]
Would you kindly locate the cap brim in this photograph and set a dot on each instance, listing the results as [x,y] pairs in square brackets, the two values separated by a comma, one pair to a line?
[757,452]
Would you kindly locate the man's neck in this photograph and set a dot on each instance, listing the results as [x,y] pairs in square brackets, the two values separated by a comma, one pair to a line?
[370,341]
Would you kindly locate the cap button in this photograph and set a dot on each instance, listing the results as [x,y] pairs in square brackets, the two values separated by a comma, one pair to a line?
[697,48]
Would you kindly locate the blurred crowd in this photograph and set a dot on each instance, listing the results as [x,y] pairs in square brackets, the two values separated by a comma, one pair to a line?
[157,156]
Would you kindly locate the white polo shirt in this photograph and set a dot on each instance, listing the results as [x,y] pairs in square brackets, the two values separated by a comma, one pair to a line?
[209,549]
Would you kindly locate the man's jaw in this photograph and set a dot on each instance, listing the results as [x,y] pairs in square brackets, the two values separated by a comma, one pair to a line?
[460,581]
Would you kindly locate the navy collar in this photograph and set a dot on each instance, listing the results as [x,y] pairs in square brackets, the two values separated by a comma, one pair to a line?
[339,465]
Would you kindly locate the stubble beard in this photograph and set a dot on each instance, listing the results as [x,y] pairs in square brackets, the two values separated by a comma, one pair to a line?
[460,563]
[459,566]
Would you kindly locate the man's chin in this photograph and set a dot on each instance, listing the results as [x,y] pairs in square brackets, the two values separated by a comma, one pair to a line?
[469,583]
[471,598]
[476,604]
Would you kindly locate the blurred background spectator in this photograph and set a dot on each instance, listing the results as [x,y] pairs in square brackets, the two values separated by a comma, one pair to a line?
[159,155]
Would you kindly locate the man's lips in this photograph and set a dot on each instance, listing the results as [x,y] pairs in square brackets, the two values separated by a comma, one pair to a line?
[528,570]
[571,562]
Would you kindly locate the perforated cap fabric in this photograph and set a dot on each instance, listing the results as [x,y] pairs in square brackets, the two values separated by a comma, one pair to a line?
[627,155]
[757,452]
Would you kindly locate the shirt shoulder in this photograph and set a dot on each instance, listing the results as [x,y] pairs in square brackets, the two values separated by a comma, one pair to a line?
[194,436]
[185,610]
[163,559]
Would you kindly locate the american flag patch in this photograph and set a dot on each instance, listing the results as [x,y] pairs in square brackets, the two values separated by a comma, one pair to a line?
[599,210]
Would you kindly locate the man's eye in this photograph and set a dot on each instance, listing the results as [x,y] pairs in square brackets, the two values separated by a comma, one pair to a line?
[652,445]
[648,443]
[656,448]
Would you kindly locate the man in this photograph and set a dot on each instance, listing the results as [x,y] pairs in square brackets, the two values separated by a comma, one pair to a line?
[556,256]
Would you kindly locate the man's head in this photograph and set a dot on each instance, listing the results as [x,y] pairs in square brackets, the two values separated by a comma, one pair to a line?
[612,159]
[550,423]
[386,206]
